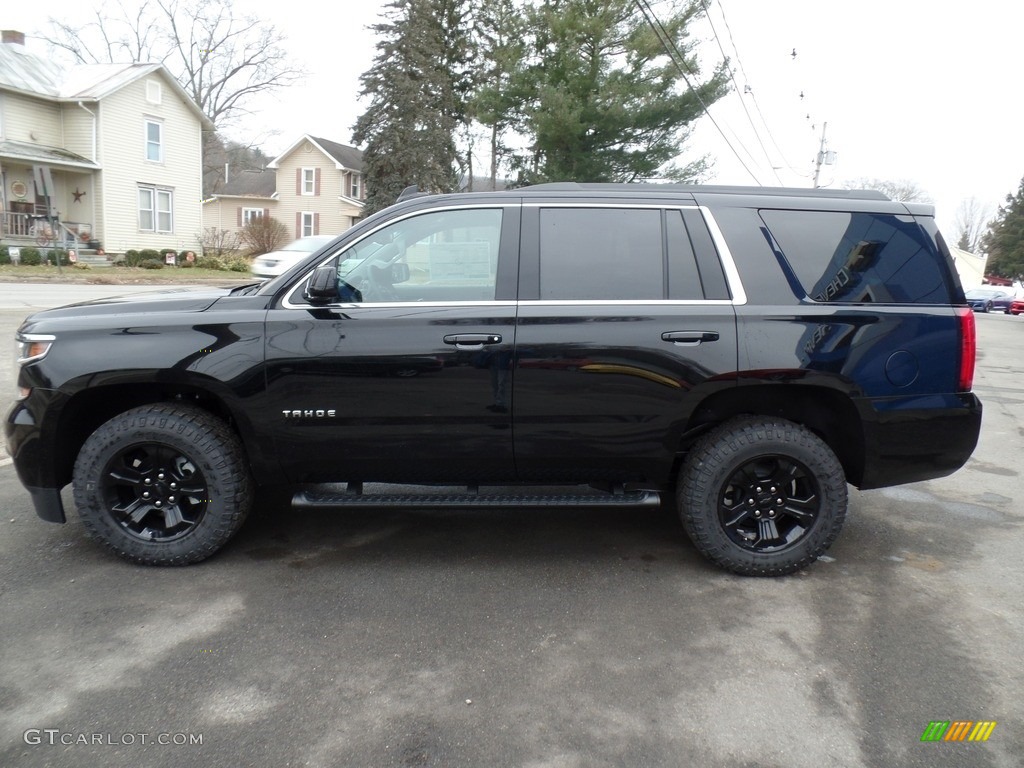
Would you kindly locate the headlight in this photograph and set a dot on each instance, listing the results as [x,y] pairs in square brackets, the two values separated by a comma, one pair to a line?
[33,346]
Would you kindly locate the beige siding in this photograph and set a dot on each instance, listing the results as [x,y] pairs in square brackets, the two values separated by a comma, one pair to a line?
[335,214]
[77,124]
[31,120]
[223,212]
[122,153]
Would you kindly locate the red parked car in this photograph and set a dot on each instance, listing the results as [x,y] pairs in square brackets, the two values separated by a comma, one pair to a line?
[1016,306]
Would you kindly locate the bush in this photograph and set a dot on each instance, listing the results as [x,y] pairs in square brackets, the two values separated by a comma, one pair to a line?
[210,262]
[239,265]
[151,264]
[131,258]
[31,257]
[149,253]
[57,255]
[81,265]
[5,255]
[184,263]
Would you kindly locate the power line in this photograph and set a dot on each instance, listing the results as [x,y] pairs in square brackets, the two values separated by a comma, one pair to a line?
[679,60]
[743,103]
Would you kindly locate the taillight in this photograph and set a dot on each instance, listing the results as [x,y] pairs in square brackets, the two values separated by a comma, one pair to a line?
[968,349]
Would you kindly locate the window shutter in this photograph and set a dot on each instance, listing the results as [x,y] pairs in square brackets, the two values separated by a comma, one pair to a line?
[298,224]
[298,181]
[266,213]
[239,221]
[316,219]
[316,182]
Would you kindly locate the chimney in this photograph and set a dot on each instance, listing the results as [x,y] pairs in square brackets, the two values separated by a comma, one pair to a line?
[13,37]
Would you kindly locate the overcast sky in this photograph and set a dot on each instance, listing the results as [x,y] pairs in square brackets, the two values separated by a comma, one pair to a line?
[909,89]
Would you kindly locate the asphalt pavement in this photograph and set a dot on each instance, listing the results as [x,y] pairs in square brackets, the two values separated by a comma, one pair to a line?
[535,638]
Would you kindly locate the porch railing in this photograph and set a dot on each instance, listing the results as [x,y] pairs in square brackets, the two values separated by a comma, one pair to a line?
[20,225]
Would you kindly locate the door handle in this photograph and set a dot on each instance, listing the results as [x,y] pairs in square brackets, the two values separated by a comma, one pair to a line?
[472,340]
[689,338]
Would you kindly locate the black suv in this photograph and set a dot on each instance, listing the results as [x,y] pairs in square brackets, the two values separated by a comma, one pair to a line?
[745,353]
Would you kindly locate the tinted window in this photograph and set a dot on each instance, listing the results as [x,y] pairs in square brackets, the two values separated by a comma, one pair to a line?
[441,256]
[860,257]
[617,254]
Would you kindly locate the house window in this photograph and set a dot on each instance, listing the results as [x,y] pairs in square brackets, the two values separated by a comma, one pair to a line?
[154,92]
[309,181]
[251,214]
[355,186]
[155,210]
[307,224]
[154,141]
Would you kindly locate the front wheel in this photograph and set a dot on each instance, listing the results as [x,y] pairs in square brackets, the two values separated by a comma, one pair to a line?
[762,496]
[162,484]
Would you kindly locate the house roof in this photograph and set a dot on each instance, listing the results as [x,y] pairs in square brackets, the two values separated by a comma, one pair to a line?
[345,158]
[261,184]
[38,153]
[25,72]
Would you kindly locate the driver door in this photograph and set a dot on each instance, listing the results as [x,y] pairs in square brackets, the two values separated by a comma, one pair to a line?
[406,375]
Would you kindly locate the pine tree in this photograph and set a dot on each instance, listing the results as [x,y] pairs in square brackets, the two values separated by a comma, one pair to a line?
[418,86]
[606,100]
[1004,240]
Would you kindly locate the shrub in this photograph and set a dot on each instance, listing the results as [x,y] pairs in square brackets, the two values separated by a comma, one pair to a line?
[239,265]
[80,265]
[5,255]
[263,234]
[31,257]
[131,258]
[151,264]
[210,262]
[149,253]
[57,255]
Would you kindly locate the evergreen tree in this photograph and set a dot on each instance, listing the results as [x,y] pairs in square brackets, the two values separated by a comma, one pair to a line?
[418,85]
[1004,240]
[608,97]
[500,30]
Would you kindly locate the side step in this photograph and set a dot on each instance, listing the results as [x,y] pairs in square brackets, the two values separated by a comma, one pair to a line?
[349,500]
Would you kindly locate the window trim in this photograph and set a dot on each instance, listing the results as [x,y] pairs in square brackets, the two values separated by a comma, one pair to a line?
[312,223]
[148,121]
[155,193]
[310,182]
[250,213]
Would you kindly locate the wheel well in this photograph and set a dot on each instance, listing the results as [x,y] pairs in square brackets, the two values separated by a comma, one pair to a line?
[829,414]
[87,410]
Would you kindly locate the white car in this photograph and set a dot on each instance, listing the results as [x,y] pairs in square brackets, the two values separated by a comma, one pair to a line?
[274,263]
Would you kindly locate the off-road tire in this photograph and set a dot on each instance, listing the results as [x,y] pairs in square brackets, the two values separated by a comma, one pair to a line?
[186,462]
[758,455]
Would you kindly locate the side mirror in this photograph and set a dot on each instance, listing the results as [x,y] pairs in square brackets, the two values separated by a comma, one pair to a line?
[322,287]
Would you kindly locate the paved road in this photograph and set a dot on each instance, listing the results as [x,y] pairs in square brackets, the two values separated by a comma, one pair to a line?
[540,639]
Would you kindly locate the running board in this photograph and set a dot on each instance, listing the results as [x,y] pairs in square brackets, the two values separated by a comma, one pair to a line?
[321,500]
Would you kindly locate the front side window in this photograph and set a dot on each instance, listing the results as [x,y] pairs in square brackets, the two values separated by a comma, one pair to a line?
[251,214]
[154,141]
[156,208]
[442,256]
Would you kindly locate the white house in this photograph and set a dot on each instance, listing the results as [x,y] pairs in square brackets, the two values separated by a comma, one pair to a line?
[110,153]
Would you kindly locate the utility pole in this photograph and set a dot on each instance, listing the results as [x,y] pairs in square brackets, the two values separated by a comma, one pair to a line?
[824,157]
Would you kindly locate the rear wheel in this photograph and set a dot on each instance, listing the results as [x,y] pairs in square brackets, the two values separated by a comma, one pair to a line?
[762,496]
[162,484]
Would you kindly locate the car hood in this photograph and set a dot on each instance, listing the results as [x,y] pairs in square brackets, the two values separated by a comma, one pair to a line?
[171,300]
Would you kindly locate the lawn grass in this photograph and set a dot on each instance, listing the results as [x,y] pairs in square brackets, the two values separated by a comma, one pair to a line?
[118,275]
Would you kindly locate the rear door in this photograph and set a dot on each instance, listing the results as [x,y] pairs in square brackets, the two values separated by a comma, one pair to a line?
[626,322]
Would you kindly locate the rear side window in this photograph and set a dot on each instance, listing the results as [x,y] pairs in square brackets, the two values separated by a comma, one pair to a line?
[860,257]
[616,254]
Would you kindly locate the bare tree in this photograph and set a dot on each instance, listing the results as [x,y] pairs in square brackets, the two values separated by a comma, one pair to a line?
[219,57]
[263,235]
[971,222]
[903,190]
